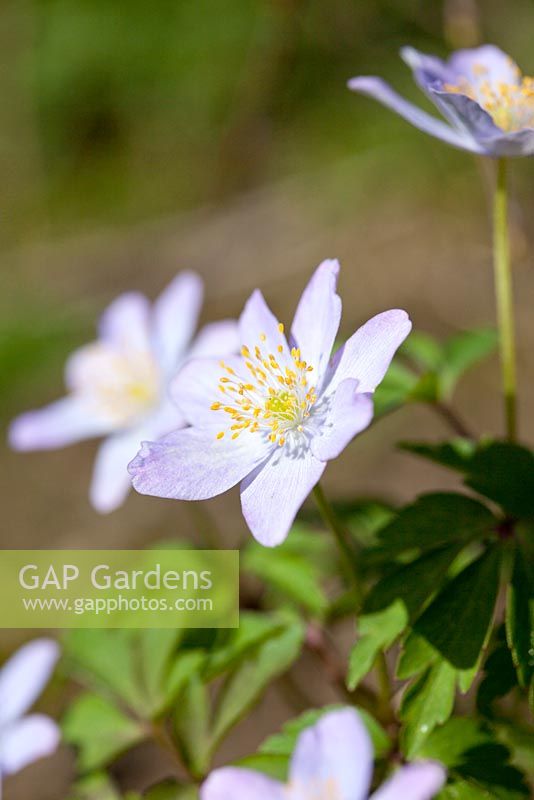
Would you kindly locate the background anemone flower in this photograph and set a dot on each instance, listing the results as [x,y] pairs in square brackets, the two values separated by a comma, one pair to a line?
[24,739]
[273,416]
[487,102]
[118,385]
[333,760]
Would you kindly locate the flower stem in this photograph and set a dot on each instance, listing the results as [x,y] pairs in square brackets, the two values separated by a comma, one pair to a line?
[331,520]
[504,296]
[340,534]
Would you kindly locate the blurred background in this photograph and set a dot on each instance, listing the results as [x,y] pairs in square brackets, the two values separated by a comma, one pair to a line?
[137,139]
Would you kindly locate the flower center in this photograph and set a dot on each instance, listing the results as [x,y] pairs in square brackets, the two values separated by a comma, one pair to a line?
[511,105]
[274,398]
[121,385]
[314,789]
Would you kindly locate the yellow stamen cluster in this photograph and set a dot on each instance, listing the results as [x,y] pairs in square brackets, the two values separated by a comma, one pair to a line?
[274,398]
[511,105]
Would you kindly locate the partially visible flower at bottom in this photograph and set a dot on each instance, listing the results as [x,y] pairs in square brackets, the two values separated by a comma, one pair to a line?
[118,385]
[333,760]
[25,739]
[272,417]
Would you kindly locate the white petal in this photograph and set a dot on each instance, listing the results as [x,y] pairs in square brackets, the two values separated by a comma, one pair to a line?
[193,465]
[416,781]
[111,481]
[317,319]
[216,339]
[350,413]
[367,355]
[125,324]
[196,387]
[24,676]
[175,318]
[64,422]
[26,741]
[272,495]
[233,783]
[258,327]
[336,753]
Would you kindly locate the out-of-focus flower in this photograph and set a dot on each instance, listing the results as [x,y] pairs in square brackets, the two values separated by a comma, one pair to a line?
[333,760]
[273,416]
[118,385]
[24,739]
[487,102]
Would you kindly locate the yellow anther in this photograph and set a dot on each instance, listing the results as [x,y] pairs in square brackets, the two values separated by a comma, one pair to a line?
[220,435]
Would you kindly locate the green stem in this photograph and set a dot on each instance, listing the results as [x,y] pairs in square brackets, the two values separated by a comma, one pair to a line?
[340,534]
[504,296]
[331,520]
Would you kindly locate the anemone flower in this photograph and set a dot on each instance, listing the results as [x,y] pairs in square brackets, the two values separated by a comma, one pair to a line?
[25,739]
[272,417]
[333,760]
[118,385]
[487,102]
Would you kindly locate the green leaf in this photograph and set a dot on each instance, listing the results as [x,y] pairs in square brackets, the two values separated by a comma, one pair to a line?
[504,472]
[395,389]
[275,766]
[377,632]
[423,350]
[461,352]
[436,520]
[192,726]
[284,743]
[416,655]
[170,790]
[156,648]
[499,679]
[291,574]
[99,730]
[254,628]
[520,616]
[412,583]
[103,661]
[455,454]
[458,621]
[246,685]
[426,703]
[187,664]
[97,786]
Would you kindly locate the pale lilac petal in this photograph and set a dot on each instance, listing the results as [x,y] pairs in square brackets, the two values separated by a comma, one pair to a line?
[258,327]
[416,781]
[61,423]
[175,318]
[338,750]
[125,324]
[111,481]
[367,355]
[272,495]
[513,145]
[26,741]
[428,69]
[498,66]
[216,339]
[233,783]
[317,319]
[193,465]
[196,388]
[350,413]
[379,90]
[24,676]
[465,114]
